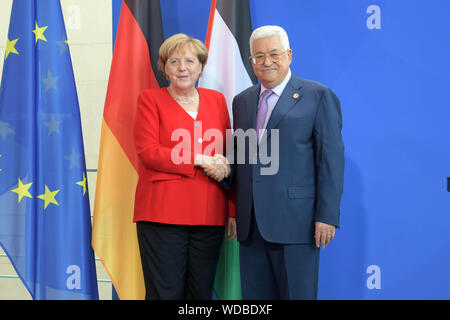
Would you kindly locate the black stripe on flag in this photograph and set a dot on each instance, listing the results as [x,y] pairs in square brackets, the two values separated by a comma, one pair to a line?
[236,15]
[148,16]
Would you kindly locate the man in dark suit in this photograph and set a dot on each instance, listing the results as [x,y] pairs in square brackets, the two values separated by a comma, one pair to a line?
[286,212]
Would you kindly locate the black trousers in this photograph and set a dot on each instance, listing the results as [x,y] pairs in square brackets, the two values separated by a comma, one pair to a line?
[179,261]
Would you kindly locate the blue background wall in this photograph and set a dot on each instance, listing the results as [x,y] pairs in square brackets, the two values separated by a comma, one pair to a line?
[393,82]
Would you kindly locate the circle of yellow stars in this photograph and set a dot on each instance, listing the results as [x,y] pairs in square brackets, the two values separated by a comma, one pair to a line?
[22,190]
[38,33]
[49,196]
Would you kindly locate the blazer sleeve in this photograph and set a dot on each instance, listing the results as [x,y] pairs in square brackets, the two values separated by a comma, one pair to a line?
[146,135]
[329,159]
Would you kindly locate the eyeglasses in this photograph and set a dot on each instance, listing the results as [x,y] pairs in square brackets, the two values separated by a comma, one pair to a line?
[261,58]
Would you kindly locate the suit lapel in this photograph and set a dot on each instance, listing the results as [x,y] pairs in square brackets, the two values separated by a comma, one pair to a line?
[291,95]
[251,106]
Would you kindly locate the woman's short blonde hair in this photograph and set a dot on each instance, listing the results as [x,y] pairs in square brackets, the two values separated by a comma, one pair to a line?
[178,41]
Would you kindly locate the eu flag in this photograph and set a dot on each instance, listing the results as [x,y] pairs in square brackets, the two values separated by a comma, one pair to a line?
[45,225]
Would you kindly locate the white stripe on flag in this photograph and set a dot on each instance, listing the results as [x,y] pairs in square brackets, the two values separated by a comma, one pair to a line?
[225,71]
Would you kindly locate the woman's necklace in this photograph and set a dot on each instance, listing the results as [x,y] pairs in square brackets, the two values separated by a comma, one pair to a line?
[183,101]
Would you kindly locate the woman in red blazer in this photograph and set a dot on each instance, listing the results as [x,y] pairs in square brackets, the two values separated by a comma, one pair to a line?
[180,204]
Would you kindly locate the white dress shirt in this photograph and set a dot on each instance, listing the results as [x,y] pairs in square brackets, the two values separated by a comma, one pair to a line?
[193,114]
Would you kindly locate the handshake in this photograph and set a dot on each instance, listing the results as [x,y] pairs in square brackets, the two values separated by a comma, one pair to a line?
[217,167]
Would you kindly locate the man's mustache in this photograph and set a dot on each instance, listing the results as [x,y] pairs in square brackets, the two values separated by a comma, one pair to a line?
[269,68]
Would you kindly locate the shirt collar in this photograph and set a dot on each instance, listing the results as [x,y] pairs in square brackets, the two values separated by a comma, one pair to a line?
[278,90]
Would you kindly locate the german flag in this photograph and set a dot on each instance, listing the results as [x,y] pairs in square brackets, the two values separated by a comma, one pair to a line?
[133,69]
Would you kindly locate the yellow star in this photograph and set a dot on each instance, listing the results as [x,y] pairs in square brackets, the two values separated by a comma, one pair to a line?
[10,47]
[22,190]
[48,197]
[39,33]
[83,184]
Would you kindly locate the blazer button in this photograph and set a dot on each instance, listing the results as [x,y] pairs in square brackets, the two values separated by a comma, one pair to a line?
[196,125]
[200,140]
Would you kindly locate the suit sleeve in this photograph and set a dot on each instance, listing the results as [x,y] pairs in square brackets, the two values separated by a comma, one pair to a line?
[329,159]
[146,133]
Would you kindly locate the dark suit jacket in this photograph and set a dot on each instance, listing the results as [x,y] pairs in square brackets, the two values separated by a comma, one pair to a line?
[309,182]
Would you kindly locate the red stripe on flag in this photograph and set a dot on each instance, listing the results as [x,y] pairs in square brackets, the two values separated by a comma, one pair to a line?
[131,72]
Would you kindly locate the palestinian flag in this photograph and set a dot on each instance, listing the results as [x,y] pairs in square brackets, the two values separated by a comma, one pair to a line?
[133,69]
[229,71]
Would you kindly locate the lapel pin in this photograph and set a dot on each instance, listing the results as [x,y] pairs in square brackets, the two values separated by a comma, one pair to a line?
[295,95]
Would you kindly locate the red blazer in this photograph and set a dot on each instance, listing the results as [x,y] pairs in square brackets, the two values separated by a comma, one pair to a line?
[170,189]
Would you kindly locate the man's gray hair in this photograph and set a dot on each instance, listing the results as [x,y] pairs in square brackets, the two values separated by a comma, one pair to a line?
[267,32]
